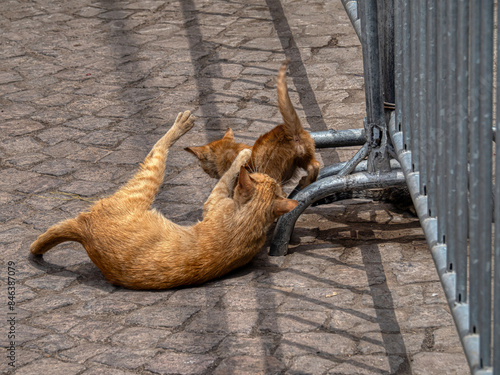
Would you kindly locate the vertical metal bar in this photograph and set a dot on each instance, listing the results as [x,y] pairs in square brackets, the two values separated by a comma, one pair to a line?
[422,64]
[414,107]
[451,149]
[440,125]
[462,149]
[385,11]
[378,160]
[398,62]
[496,280]
[485,177]
[474,45]
[406,99]
[431,100]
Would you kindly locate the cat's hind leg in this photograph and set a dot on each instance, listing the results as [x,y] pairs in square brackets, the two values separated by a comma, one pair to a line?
[143,187]
[224,187]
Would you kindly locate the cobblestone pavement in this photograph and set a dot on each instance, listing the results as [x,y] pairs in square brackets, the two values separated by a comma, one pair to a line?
[86,88]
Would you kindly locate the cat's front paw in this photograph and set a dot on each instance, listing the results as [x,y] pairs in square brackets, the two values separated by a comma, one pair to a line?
[184,121]
[242,158]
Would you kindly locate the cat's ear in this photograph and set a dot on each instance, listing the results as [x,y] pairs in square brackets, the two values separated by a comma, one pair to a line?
[198,151]
[229,134]
[245,183]
[283,206]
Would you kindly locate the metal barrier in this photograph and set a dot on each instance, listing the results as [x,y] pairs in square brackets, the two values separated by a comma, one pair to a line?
[435,60]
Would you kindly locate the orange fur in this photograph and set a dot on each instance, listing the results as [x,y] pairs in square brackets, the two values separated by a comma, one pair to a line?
[217,156]
[138,248]
[277,153]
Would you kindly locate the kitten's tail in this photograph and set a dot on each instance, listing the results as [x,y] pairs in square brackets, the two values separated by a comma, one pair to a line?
[143,187]
[290,118]
[68,230]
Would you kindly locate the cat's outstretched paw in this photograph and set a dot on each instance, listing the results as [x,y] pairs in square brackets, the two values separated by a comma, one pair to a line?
[184,122]
[242,158]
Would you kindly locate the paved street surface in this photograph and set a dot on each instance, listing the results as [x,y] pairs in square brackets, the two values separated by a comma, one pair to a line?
[88,86]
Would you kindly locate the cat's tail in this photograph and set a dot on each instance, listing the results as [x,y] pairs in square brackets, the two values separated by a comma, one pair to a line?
[143,187]
[68,230]
[290,118]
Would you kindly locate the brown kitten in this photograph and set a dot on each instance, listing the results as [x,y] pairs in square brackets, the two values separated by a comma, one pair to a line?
[277,153]
[138,248]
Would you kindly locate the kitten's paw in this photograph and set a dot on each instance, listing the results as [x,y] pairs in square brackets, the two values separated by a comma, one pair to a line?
[184,121]
[242,157]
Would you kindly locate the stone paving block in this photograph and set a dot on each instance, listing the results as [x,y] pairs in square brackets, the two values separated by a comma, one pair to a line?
[49,303]
[55,135]
[88,188]
[191,342]
[124,357]
[391,343]
[180,363]
[20,145]
[139,337]
[241,346]
[366,365]
[38,184]
[446,339]
[50,366]
[318,343]
[220,321]
[311,364]
[253,299]
[246,365]
[59,322]
[427,363]
[296,321]
[57,167]
[82,353]
[95,330]
[25,160]
[316,299]
[105,306]
[56,282]
[101,370]
[161,318]
[52,343]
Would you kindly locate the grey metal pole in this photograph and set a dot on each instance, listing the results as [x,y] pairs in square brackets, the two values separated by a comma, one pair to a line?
[440,125]
[450,136]
[462,82]
[398,62]
[496,280]
[485,178]
[422,93]
[432,111]
[414,84]
[339,138]
[405,46]
[474,213]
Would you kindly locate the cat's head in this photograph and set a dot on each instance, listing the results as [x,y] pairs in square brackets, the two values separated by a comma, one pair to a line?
[216,157]
[264,191]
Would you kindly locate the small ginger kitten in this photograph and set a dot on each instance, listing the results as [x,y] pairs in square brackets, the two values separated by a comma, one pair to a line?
[278,153]
[136,247]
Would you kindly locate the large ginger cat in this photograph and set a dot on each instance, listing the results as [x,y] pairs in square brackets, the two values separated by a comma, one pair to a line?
[138,248]
[278,153]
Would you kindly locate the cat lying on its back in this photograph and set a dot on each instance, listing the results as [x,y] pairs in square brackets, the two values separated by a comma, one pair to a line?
[278,153]
[138,248]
